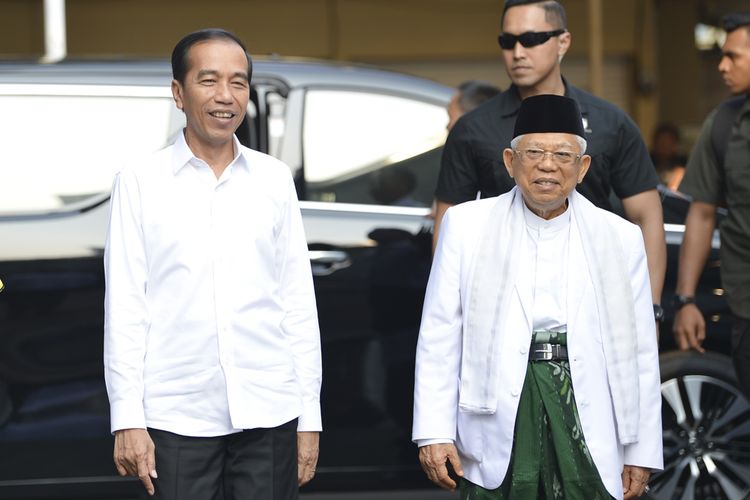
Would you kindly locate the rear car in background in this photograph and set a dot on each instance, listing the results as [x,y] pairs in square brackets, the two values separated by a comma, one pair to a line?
[364,147]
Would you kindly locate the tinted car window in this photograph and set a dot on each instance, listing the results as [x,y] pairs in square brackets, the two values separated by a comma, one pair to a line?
[362,147]
[48,128]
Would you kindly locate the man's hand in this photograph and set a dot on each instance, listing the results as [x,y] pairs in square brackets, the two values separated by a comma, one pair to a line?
[689,328]
[434,458]
[307,456]
[134,456]
[634,481]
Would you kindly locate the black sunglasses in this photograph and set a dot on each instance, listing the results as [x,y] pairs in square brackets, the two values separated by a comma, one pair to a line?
[528,39]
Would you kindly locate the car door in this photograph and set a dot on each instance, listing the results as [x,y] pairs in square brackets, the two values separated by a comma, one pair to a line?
[64,144]
[368,169]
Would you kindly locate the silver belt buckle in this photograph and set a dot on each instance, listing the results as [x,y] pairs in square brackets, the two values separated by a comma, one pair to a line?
[545,351]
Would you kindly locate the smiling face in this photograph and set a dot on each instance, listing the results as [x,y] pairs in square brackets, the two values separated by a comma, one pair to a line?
[735,61]
[214,94]
[545,183]
[534,70]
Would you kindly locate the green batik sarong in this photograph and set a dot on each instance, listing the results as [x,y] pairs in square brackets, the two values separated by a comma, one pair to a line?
[550,459]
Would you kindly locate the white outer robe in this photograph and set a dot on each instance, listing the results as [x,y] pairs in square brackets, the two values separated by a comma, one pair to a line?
[484,442]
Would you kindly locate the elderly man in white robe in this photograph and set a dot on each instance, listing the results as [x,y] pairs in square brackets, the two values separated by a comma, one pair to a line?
[537,366]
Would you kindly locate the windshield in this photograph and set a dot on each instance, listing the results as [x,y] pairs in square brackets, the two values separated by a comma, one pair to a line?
[64,146]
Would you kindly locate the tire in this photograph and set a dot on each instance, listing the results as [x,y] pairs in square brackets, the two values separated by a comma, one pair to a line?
[706,430]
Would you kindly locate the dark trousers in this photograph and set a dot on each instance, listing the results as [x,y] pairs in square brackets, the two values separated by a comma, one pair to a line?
[741,352]
[252,464]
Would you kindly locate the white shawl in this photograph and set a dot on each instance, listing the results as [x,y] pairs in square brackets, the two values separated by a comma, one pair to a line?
[493,277]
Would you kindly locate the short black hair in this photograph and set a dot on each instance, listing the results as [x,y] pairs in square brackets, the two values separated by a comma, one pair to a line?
[554,12]
[731,22]
[180,52]
[475,92]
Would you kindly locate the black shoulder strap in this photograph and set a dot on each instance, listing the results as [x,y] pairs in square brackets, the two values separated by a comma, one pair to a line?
[721,129]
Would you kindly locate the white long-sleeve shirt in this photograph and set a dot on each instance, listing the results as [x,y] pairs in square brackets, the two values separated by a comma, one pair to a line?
[210,318]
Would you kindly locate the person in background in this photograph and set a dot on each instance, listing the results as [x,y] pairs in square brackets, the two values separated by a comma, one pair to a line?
[537,369]
[720,177]
[211,342]
[534,40]
[666,156]
[467,97]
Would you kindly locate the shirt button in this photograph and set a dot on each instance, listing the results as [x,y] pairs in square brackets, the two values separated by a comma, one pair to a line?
[524,350]
[514,393]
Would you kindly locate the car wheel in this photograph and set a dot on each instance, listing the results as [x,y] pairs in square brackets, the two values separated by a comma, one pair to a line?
[706,429]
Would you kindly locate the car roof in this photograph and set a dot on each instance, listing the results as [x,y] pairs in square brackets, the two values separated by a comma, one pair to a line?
[290,72]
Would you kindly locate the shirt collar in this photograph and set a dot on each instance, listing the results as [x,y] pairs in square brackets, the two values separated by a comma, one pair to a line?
[533,221]
[509,107]
[745,108]
[182,155]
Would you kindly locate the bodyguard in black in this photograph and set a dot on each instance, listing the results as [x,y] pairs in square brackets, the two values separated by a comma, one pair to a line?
[472,160]
[534,41]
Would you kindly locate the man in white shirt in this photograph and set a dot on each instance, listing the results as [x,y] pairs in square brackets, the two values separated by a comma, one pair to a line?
[212,347]
[537,365]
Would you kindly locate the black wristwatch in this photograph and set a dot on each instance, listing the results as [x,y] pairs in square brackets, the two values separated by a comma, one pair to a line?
[658,312]
[678,301]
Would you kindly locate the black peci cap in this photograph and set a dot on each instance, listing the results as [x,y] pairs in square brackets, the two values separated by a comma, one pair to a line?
[549,113]
[731,22]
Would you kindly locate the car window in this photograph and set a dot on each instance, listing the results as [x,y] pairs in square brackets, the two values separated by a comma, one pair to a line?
[276,110]
[362,147]
[65,145]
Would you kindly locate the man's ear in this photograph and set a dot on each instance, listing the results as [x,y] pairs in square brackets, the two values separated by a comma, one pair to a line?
[508,161]
[563,44]
[177,93]
[585,164]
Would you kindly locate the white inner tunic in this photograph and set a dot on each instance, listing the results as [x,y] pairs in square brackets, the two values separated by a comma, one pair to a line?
[547,251]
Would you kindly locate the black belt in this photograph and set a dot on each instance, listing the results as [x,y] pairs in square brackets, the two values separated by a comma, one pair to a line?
[548,352]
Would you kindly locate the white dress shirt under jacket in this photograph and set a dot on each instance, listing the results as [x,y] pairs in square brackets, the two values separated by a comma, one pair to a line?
[210,317]
[546,267]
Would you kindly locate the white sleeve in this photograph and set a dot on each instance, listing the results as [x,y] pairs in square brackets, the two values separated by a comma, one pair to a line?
[440,339]
[125,313]
[300,322]
[647,451]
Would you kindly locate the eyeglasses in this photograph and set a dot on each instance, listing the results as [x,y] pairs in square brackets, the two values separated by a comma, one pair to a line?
[532,155]
[529,39]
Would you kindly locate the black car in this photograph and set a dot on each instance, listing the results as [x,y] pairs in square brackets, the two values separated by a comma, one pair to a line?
[364,147]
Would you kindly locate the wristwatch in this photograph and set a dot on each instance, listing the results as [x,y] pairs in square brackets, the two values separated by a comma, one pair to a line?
[658,312]
[681,300]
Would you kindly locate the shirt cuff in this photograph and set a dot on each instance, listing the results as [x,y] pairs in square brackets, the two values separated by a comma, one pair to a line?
[310,419]
[425,442]
[126,415]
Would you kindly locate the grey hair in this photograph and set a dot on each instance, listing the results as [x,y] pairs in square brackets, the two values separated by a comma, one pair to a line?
[475,92]
[581,142]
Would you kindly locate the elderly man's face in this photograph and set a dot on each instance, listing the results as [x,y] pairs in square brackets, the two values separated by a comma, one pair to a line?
[546,168]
